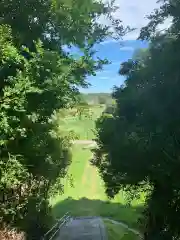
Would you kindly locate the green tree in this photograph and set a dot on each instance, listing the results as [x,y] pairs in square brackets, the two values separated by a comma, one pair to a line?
[37,78]
[139,144]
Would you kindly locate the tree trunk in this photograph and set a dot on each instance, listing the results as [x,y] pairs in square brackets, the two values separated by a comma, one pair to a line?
[157,213]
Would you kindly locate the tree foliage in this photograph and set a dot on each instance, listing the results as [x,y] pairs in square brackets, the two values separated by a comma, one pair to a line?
[37,77]
[139,142]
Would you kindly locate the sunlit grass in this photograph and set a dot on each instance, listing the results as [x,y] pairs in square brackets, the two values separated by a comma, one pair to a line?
[85,196]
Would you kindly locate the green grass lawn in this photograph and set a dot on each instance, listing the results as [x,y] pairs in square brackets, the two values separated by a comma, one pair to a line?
[85,195]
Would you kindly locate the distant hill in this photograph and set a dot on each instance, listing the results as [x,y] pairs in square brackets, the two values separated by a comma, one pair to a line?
[97,98]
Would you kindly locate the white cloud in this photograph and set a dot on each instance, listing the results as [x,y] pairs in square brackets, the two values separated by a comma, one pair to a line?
[133,13]
[104,78]
[116,63]
[99,73]
[108,41]
[122,48]
[128,49]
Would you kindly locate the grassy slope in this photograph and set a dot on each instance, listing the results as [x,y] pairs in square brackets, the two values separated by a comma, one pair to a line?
[85,196]
[116,232]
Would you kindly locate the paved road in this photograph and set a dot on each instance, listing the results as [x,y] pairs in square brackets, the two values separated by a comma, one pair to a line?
[89,228]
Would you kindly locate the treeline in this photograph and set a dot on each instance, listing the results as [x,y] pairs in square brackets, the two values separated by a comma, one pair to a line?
[37,77]
[97,98]
[139,144]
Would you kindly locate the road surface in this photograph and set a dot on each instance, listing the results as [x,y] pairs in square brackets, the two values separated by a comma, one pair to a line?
[89,228]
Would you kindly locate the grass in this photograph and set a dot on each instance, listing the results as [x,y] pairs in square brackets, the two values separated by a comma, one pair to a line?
[117,232]
[84,195]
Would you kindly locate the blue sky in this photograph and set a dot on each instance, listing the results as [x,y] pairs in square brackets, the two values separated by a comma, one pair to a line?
[133,13]
[116,53]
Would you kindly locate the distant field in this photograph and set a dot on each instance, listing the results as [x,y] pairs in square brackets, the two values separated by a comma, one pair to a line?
[85,126]
[87,198]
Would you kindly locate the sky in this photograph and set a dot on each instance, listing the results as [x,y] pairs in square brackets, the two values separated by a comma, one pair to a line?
[132,13]
[116,53]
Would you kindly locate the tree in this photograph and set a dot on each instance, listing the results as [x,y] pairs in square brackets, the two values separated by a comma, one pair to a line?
[139,150]
[37,78]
